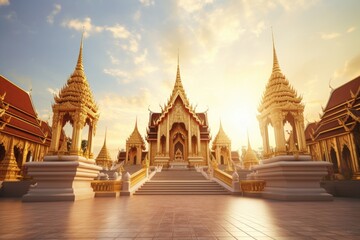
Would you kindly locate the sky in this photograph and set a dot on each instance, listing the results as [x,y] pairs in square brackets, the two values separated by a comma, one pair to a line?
[225,50]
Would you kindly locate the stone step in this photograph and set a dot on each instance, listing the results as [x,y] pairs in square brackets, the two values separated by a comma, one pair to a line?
[181,182]
[181,193]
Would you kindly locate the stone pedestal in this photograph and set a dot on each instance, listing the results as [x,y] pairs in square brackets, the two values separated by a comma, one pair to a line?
[293,178]
[61,178]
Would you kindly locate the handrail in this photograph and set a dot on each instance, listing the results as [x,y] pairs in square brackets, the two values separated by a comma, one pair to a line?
[252,185]
[223,177]
[137,177]
[106,185]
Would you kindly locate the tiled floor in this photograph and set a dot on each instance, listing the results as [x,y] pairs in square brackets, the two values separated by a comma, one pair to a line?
[180,217]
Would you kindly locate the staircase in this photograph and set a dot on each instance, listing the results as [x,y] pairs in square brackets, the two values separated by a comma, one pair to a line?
[180,182]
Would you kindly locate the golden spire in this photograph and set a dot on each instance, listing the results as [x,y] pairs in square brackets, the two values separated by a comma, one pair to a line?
[221,137]
[79,65]
[104,159]
[135,137]
[77,90]
[278,91]
[276,66]
[249,145]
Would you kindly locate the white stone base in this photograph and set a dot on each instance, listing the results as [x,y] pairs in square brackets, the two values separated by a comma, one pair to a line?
[293,179]
[66,179]
[178,165]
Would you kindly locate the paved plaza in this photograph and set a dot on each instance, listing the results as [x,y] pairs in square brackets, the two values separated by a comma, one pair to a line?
[180,217]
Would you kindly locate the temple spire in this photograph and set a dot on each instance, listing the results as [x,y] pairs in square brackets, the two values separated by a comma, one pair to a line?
[276,66]
[249,145]
[178,78]
[79,65]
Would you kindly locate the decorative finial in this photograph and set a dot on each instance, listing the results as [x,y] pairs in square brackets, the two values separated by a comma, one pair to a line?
[105,136]
[276,66]
[331,88]
[178,63]
[79,65]
[249,145]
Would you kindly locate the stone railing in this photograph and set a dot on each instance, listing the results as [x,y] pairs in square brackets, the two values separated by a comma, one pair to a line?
[252,186]
[106,185]
[223,177]
[138,176]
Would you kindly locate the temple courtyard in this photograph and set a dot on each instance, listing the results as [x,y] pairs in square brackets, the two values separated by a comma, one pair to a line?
[180,217]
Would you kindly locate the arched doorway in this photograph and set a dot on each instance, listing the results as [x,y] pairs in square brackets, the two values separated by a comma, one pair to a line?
[179,142]
[346,163]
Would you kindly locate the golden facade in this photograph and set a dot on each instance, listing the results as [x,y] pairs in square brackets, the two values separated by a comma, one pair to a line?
[222,149]
[134,147]
[178,134]
[336,137]
[23,137]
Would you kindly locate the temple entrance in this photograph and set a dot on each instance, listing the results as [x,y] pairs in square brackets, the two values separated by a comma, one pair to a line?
[179,152]
[178,146]
[346,166]
[334,160]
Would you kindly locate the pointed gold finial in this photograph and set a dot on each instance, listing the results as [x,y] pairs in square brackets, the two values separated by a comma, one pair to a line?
[178,78]
[79,65]
[276,66]
[105,136]
[249,145]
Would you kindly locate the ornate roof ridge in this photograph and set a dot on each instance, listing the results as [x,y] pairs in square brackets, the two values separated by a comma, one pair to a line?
[178,91]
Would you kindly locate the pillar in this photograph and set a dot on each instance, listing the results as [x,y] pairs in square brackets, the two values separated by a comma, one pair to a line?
[167,135]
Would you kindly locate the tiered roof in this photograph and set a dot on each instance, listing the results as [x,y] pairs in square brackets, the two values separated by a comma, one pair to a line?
[136,138]
[178,92]
[77,91]
[278,92]
[250,156]
[104,158]
[341,113]
[18,117]
[221,137]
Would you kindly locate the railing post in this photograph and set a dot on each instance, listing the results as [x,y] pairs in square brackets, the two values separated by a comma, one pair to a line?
[126,184]
[236,183]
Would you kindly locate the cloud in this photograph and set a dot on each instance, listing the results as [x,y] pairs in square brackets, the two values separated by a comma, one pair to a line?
[348,71]
[259,28]
[329,36]
[191,6]
[80,25]
[147,3]
[53,91]
[130,75]
[114,60]
[119,32]
[350,29]
[113,105]
[50,18]
[141,58]
[4,2]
